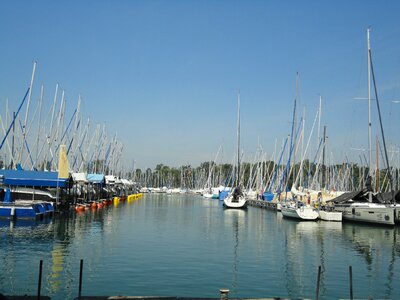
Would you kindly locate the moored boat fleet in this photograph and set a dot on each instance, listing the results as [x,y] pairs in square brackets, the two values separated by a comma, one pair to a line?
[300,187]
[39,198]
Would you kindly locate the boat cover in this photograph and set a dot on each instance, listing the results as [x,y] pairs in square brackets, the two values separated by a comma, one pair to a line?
[388,197]
[32,178]
[96,178]
[358,196]
[79,177]
[347,196]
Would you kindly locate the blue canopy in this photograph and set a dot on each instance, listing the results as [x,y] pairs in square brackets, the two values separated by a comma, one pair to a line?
[95,178]
[32,178]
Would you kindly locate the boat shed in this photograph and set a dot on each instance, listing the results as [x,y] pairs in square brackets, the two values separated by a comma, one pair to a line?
[33,179]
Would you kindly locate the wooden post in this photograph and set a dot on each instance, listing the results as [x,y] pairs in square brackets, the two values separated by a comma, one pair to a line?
[40,279]
[351,282]
[223,294]
[80,279]
[318,280]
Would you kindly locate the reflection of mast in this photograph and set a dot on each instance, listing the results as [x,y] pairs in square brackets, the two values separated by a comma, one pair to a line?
[235,250]
[391,268]
[235,216]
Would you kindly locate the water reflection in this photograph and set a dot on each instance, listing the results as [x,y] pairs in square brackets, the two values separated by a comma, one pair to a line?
[305,247]
[186,243]
[25,242]
[235,219]
[379,248]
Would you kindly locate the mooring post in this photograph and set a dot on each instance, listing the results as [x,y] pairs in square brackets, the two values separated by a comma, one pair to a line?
[40,278]
[318,279]
[80,279]
[223,293]
[351,282]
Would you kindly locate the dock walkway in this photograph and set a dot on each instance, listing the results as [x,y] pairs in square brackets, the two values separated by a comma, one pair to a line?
[262,204]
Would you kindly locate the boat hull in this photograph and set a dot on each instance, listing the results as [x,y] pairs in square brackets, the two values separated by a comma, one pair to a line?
[367,213]
[301,213]
[334,216]
[240,203]
[21,211]
[396,208]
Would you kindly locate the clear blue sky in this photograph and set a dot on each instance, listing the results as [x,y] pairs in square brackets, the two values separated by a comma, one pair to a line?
[164,74]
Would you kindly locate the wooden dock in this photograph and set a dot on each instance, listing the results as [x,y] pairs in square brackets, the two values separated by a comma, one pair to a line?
[262,204]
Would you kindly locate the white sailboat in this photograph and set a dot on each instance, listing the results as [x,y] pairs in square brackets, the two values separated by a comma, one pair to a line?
[333,216]
[236,199]
[364,206]
[302,212]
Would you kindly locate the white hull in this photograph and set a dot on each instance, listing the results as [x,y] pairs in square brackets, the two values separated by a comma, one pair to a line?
[396,212]
[330,216]
[207,195]
[302,213]
[367,212]
[229,202]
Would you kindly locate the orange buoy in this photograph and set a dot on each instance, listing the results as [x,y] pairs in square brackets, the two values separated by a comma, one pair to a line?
[79,208]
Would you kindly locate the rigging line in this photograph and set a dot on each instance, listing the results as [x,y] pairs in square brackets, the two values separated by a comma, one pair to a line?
[70,144]
[277,167]
[285,171]
[65,132]
[381,125]
[26,144]
[13,121]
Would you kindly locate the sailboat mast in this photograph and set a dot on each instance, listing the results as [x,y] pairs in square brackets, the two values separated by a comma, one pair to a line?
[369,114]
[238,139]
[369,105]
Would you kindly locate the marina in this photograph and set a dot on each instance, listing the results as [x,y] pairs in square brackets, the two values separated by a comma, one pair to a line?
[178,150]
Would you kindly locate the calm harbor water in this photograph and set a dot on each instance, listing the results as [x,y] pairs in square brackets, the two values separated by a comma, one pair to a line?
[184,245]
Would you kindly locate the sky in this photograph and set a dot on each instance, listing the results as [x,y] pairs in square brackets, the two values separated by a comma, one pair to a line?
[164,75]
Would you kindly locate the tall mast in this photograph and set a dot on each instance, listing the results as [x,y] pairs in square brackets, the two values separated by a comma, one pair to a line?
[26,113]
[369,105]
[238,139]
[369,114]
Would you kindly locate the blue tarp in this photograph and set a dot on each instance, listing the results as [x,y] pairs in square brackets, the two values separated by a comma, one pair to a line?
[95,178]
[32,178]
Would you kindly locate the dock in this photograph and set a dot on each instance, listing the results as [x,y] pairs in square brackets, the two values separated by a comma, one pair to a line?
[262,204]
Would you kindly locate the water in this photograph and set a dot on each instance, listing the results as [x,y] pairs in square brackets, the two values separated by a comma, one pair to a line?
[184,245]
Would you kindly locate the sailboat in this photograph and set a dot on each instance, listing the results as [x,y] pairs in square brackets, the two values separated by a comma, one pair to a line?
[364,206]
[236,199]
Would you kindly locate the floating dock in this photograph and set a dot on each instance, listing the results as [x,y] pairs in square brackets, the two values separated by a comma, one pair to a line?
[262,204]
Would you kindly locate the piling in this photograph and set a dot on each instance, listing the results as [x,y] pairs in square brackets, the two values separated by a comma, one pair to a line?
[351,282]
[40,279]
[318,280]
[223,293]
[80,280]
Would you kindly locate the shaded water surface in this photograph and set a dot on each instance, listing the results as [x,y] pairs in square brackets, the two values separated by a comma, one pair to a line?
[184,245]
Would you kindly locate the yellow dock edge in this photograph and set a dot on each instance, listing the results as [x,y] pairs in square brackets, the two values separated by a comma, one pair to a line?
[134,196]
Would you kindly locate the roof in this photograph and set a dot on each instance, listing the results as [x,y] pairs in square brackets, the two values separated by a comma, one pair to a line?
[32,178]
[95,178]
[79,177]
